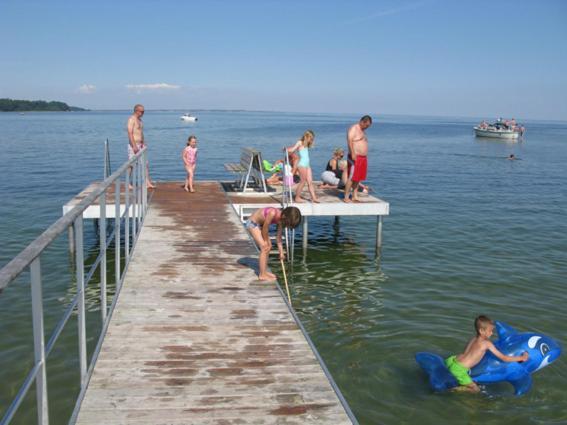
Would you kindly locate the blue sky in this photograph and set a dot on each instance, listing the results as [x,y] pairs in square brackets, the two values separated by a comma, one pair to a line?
[481,58]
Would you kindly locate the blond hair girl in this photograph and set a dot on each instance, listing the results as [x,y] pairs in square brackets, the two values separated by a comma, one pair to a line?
[306,176]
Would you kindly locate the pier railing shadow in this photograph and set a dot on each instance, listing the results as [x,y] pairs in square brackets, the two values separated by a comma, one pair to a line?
[127,210]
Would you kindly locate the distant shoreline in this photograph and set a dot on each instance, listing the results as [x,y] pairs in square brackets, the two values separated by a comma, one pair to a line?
[19,105]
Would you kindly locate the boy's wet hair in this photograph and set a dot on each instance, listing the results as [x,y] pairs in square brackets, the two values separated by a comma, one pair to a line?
[482,322]
[291,217]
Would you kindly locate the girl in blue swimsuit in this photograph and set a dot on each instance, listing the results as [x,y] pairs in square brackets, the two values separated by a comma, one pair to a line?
[306,176]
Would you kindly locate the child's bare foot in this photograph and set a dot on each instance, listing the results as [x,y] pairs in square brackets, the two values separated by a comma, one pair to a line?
[186,189]
[299,200]
[192,190]
[151,186]
[315,200]
[347,200]
[266,277]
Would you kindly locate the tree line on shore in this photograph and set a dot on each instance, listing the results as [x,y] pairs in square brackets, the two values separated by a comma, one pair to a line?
[15,105]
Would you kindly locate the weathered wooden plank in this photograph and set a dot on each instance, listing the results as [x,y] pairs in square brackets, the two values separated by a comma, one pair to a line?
[298,416]
[205,388]
[306,380]
[195,338]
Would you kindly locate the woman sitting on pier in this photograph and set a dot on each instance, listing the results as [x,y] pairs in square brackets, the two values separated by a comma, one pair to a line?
[258,225]
[337,180]
[333,164]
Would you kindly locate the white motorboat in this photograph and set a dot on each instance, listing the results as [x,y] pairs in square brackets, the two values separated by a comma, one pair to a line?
[188,118]
[499,130]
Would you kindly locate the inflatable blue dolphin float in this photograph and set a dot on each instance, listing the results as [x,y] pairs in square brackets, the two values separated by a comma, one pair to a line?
[542,351]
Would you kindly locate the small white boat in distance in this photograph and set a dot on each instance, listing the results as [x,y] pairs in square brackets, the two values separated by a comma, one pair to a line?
[499,130]
[188,118]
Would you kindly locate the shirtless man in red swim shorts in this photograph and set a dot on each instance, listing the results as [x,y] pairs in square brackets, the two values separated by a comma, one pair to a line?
[357,157]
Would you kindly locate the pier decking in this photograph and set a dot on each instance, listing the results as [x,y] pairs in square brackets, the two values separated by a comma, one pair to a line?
[195,338]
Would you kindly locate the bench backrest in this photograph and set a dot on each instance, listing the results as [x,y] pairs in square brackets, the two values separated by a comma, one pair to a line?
[249,154]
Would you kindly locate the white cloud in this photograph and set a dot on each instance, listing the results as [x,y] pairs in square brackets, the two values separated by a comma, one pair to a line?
[139,88]
[87,89]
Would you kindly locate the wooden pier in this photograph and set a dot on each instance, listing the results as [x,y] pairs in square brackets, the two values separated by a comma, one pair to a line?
[244,203]
[195,338]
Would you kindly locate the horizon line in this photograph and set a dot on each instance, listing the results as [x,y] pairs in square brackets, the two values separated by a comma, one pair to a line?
[292,112]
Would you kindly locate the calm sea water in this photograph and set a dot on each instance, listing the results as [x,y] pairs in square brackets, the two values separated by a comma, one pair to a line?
[469,233]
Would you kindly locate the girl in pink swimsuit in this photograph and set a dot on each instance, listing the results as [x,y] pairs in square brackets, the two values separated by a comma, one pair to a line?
[189,156]
[258,225]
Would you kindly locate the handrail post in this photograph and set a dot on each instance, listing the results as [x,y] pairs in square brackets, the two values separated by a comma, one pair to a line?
[39,342]
[145,183]
[117,232]
[139,193]
[135,194]
[79,266]
[102,238]
[141,172]
[106,160]
[127,217]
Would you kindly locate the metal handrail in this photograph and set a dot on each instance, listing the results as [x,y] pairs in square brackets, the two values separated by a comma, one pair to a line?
[17,265]
[135,174]
[287,200]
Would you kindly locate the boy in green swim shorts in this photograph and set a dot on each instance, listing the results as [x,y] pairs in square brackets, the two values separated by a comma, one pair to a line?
[460,365]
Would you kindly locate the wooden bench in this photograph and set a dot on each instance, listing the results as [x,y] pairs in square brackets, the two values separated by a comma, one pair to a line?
[249,168]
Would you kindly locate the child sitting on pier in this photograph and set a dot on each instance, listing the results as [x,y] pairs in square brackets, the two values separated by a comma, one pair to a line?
[189,156]
[258,226]
[460,365]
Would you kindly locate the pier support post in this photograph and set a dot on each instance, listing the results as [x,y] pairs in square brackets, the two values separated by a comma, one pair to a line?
[379,234]
[305,233]
[292,245]
[337,220]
